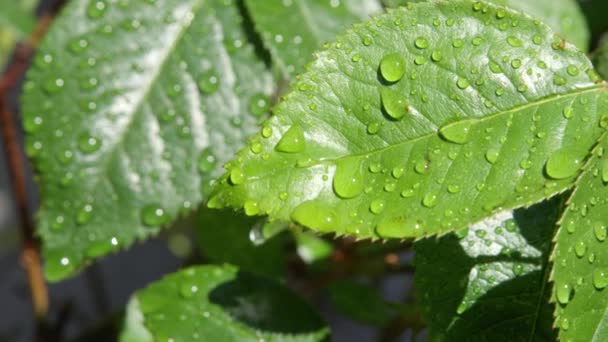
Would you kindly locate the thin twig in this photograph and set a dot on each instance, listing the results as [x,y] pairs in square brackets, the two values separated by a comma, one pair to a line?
[17,167]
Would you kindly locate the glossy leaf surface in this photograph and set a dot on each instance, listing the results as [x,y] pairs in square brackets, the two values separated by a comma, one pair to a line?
[292,30]
[580,256]
[489,282]
[506,119]
[220,303]
[131,108]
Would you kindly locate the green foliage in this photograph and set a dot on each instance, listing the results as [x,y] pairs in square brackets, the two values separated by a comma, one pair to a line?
[16,22]
[564,16]
[600,58]
[489,281]
[248,248]
[580,258]
[472,127]
[293,30]
[506,120]
[138,119]
[220,303]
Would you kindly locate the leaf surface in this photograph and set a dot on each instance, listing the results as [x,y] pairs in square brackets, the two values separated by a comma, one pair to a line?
[292,30]
[16,22]
[564,16]
[220,303]
[423,121]
[580,257]
[130,110]
[489,282]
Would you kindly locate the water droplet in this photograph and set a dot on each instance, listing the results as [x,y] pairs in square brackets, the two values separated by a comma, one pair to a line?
[573,70]
[292,141]
[559,80]
[348,179]
[392,67]
[436,56]
[88,144]
[154,215]
[251,208]
[492,155]
[568,112]
[207,161]
[580,248]
[209,82]
[518,269]
[562,293]
[421,43]
[96,9]
[373,128]
[377,206]
[394,104]
[237,176]
[397,172]
[188,289]
[58,265]
[266,131]
[54,85]
[398,227]
[429,200]
[605,170]
[600,232]
[514,41]
[458,43]
[314,215]
[600,278]
[259,104]
[457,132]
[85,214]
[564,163]
[564,324]
[463,83]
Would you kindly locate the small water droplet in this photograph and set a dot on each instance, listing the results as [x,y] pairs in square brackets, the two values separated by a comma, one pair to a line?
[207,161]
[580,248]
[85,214]
[600,231]
[292,141]
[429,200]
[209,82]
[377,206]
[600,278]
[259,104]
[421,43]
[492,155]
[514,41]
[237,176]
[154,215]
[88,144]
[562,293]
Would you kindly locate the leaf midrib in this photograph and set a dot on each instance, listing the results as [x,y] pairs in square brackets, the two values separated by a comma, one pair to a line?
[185,24]
[481,119]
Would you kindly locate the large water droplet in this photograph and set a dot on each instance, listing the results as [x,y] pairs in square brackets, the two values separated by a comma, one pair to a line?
[392,67]
[563,163]
[88,143]
[395,105]
[314,215]
[600,278]
[237,176]
[600,232]
[492,155]
[154,215]
[348,179]
[562,293]
[398,227]
[457,132]
[292,141]
[580,248]
[377,206]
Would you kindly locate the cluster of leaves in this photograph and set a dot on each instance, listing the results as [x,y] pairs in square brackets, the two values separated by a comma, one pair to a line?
[472,127]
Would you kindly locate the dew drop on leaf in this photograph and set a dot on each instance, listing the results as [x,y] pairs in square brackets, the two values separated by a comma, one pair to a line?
[207,161]
[392,67]
[562,164]
[393,103]
[153,215]
[377,206]
[600,278]
[292,141]
[580,248]
[599,230]
[88,143]
[562,293]
[348,179]
[209,82]
[457,132]
[314,215]
[85,214]
[259,104]
[237,176]
[492,155]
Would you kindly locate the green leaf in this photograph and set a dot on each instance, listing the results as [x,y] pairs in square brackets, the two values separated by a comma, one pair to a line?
[293,30]
[600,58]
[226,237]
[580,257]
[16,22]
[361,302]
[312,248]
[130,109]
[220,303]
[483,119]
[490,281]
[565,17]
